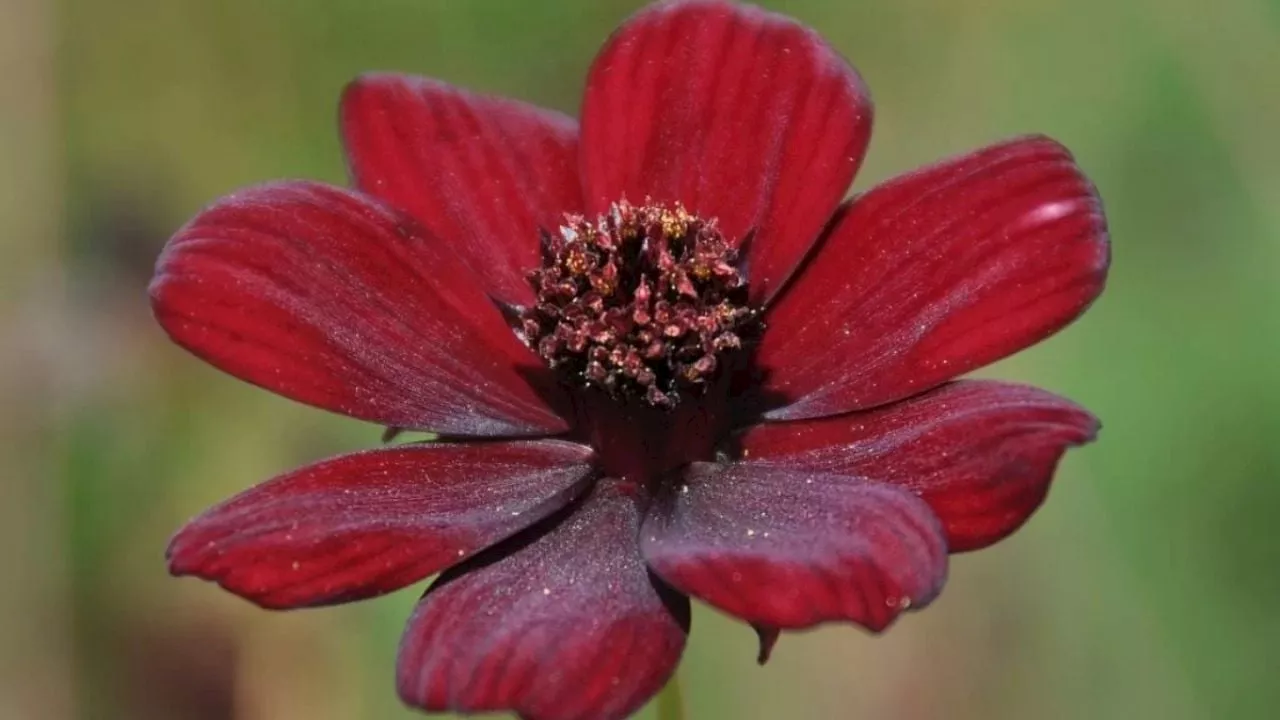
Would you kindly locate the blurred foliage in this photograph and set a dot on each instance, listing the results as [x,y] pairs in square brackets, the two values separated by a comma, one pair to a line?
[1145,588]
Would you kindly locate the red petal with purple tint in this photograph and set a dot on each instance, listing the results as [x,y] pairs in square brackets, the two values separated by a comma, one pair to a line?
[323,296]
[484,174]
[935,274]
[789,549]
[741,115]
[981,453]
[368,523]
[568,625]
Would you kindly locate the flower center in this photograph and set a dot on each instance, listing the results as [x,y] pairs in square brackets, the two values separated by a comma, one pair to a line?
[642,302]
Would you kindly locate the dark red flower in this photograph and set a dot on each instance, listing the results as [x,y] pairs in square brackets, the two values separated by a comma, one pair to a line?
[665,358]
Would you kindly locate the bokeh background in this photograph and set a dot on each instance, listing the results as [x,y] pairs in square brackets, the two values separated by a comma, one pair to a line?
[1147,587]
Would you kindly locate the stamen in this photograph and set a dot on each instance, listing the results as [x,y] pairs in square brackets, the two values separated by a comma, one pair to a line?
[643,302]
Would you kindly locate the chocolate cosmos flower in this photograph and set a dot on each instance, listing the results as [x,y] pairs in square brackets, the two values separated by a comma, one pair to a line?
[665,360]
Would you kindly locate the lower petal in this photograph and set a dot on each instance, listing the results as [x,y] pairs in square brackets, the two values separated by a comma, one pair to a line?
[564,625]
[981,453]
[786,550]
[372,522]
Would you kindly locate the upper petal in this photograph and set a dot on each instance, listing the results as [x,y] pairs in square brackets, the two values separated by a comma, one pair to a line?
[324,297]
[368,523]
[566,625]
[981,453]
[781,548]
[934,274]
[484,174]
[740,114]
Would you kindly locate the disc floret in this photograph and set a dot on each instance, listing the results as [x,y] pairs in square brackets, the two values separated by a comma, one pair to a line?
[644,301]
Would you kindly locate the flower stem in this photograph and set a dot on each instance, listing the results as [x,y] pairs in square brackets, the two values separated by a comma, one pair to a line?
[670,702]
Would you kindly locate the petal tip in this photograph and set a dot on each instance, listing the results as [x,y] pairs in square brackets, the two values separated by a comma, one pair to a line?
[768,637]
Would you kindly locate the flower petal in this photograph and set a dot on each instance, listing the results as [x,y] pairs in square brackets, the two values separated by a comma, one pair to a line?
[787,549]
[325,297]
[981,453]
[935,274]
[364,524]
[485,174]
[568,625]
[740,114]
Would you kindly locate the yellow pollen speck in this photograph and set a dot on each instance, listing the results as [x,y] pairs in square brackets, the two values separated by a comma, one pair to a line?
[675,224]
[604,286]
[576,262]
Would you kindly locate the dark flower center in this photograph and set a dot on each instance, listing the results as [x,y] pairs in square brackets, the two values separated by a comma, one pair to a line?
[643,302]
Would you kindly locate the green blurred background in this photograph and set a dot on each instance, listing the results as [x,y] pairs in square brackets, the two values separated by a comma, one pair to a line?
[1146,588]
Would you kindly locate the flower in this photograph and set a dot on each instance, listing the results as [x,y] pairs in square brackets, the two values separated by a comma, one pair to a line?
[664,357]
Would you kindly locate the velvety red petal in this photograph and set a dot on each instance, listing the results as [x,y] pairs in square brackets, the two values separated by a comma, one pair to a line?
[484,174]
[740,114]
[981,453]
[323,296]
[569,626]
[368,523]
[935,274]
[788,549]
